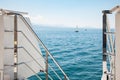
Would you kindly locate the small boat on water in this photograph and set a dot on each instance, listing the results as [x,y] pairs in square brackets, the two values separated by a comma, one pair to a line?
[77,29]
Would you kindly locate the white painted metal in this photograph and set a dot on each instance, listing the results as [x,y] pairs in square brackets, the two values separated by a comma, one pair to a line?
[1,47]
[9,42]
[117,43]
[7,55]
[104,75]
[115,9]
[11,11]
[111,51]
[23,42]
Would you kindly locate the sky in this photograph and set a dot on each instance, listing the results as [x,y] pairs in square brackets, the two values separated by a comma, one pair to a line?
[64,13]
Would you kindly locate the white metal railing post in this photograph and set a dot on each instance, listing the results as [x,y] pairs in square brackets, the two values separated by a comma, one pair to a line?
[1,45]
[46,66]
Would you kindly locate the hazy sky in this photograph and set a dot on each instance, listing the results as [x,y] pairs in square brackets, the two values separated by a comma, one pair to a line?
[69,13]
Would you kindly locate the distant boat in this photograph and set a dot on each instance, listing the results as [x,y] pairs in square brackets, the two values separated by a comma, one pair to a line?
[77,29]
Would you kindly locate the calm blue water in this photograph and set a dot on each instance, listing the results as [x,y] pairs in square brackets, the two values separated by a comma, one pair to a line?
[79,54]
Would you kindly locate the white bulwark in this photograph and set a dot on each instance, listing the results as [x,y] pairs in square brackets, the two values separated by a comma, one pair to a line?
[117,43]
[22,58]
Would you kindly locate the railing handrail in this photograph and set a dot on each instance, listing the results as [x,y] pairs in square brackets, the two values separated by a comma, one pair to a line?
[29,27]
[43,46]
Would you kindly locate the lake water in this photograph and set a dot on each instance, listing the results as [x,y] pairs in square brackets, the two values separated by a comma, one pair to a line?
[79,54]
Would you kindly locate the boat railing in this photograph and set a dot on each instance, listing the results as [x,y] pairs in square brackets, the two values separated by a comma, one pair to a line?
[110,46]
[47,51]
[45,48]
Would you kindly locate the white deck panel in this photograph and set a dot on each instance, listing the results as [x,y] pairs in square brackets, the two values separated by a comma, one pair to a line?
[1,47]
[117,43]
